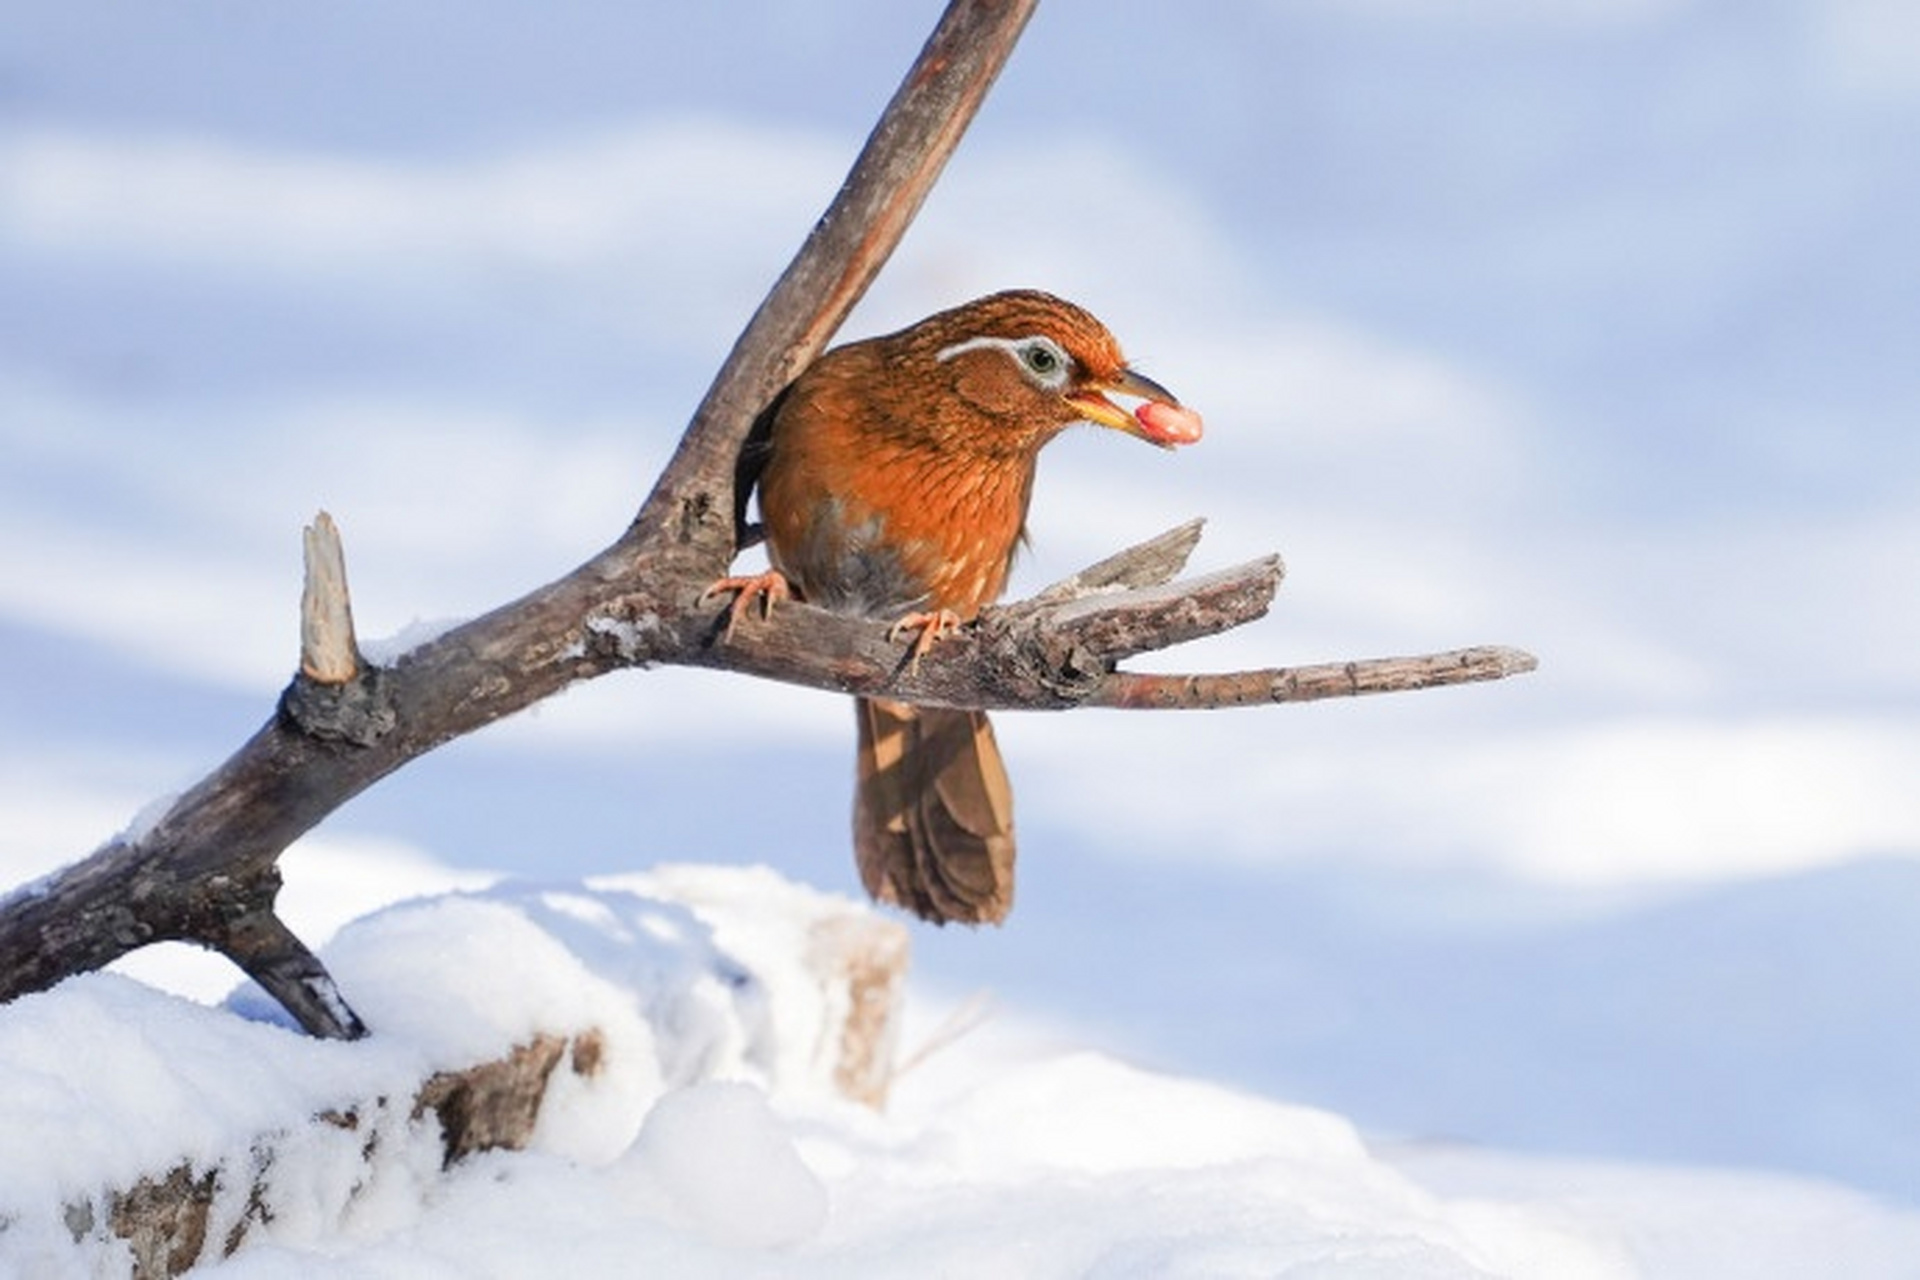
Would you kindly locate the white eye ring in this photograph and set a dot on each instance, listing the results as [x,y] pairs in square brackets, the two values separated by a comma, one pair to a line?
[1041,360]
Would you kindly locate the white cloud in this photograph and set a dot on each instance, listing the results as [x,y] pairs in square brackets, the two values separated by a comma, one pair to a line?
[181,542]
[445,510]
[1080,217]
[677,225]
[57,809]
[1661,797]
[1870,48]
[1533,13]
[668,709]
[223,619]
[703,181]
[1623,800]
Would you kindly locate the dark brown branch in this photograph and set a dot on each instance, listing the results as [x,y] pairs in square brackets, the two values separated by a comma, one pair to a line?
[206,871]
[262,945]
[1030,656]
[1062,648]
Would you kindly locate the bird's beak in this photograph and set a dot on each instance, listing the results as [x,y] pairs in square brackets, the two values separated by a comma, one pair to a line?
[1160,420]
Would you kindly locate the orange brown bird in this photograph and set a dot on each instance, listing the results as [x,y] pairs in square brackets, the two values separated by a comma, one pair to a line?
[894,477]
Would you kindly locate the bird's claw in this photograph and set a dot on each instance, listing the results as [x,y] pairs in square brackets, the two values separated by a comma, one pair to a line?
[768,588]
[931,626]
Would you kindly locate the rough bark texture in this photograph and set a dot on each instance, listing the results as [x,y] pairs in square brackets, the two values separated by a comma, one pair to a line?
[164,1221]
[206,871]
[493,1106]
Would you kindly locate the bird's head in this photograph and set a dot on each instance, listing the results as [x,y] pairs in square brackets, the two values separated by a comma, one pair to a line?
[1033,364]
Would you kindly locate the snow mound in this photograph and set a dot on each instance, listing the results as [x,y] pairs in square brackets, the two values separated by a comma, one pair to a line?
[715,1160]
[707,1132]
[112,1093]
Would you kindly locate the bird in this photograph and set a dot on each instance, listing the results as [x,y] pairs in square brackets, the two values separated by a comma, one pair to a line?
[894,476]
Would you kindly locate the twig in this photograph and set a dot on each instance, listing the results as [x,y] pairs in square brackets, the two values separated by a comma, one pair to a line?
[972,1014]
[1136,691]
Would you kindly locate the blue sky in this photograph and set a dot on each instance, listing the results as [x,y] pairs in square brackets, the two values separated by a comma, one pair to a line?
[1586,327]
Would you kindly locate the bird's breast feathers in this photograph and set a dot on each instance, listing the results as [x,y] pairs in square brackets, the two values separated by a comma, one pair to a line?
[900,533]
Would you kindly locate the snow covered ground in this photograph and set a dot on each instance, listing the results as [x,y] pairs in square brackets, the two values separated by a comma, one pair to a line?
[708,1141]
[1585,327]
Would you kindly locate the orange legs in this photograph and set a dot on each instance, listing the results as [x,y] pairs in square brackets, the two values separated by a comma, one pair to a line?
[768,588]
[931,626]
[771,587]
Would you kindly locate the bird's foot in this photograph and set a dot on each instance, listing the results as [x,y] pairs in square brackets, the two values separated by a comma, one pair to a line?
[768,588]
[931,626]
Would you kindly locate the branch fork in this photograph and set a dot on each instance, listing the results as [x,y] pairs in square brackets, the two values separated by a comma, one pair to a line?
[207,870]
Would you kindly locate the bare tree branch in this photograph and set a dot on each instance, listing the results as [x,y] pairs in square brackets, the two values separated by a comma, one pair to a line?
[211,856]
[1135,691]
[206,871]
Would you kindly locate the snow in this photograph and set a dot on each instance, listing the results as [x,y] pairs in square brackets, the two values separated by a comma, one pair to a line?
[714,1160]
[710,1141]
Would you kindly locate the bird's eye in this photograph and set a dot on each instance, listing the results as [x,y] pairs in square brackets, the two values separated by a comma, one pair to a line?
[1044,360]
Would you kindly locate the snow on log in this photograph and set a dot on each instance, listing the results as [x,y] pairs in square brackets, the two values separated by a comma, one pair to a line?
[550,1017]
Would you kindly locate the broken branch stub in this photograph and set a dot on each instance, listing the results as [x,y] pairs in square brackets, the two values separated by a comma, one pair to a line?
[328,652]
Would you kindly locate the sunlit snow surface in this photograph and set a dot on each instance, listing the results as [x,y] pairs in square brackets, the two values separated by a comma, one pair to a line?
[704,1146]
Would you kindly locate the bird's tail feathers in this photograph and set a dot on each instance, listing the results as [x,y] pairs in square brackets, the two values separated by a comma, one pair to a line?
[933,812]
